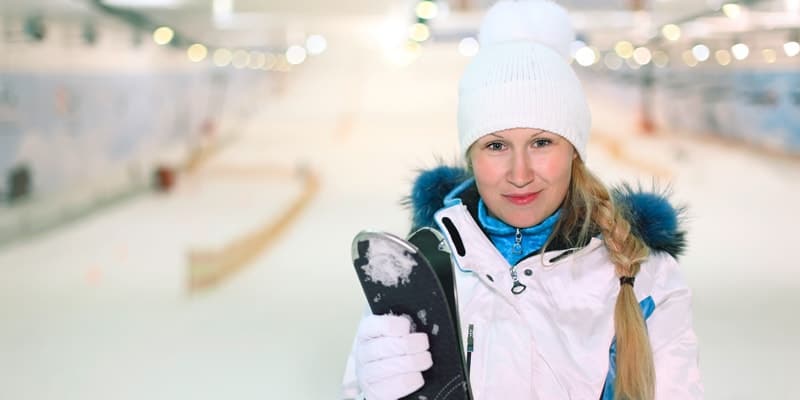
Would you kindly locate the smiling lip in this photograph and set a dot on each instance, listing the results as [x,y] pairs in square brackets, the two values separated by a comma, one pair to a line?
[521,199]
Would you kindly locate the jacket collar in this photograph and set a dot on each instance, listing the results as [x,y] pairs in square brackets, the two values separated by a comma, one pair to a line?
[651,215]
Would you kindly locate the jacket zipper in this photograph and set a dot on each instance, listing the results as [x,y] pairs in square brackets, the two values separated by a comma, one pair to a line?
[517,247]
[470,347]
[518,287]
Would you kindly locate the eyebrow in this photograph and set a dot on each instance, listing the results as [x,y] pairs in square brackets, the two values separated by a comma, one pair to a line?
[539,132]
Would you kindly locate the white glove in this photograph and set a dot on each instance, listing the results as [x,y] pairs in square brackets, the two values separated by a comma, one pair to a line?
[389,358]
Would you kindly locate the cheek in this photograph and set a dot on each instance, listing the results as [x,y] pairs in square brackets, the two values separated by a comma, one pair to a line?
[486,172]
[554,170]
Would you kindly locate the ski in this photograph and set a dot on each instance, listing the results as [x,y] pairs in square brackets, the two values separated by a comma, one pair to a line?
[397,277]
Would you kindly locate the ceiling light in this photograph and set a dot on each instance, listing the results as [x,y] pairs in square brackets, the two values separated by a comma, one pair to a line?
[740,51]
[791,48]
[295,55]
[222,57]
[427,10]
[671,32]
[585,56]
[316,44]
[723,57]
[163,35]
[660,58]
[240,59]
[624,49]
[701,52]
[197,52]
[419,32]
[770,56]
[688,58]
[642,55]
[731,10]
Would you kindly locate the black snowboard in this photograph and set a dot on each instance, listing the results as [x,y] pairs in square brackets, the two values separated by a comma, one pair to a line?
[398,279]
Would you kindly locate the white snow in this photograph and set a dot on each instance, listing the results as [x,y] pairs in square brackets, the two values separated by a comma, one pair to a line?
[411,321]
[98,310]
[389,264]
[423,316]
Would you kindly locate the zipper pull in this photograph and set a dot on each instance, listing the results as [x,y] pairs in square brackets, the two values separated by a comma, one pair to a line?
[518,286]
[517,247]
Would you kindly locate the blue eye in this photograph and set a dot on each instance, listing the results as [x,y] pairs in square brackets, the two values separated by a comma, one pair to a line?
[495,146]
[542,142]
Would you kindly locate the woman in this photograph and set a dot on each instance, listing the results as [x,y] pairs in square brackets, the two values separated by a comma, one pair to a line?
[568,291]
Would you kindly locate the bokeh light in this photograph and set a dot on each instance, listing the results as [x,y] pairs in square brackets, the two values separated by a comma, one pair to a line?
[295,55]
[770,55]
[642,55]
[701,52]
[612,61]
[723,57]
[732,11]
[427,10]
[316,44]
[257,60]
[240,59]
[585,56]
[660,58]
[163,35]
[740,51]
[791,48]
[688,58]
[222,57]
[197,52]
[419,32]
[624,49]
[671,32]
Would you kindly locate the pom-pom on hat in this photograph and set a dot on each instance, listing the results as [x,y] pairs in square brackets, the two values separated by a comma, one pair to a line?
[521,77]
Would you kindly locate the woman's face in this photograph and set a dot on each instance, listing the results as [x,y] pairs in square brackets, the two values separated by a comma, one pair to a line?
[522,174]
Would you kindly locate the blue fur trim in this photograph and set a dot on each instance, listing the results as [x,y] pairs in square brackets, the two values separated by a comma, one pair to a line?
[651,215]
[428,193]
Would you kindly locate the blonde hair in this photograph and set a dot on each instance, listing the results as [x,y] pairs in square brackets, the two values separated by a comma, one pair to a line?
[588,209]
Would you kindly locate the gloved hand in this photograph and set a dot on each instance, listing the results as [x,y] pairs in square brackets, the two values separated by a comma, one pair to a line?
[389,358]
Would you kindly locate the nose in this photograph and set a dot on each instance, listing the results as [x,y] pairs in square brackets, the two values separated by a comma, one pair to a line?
[521,172]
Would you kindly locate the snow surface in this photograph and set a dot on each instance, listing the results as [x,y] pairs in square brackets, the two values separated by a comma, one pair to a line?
[98,310]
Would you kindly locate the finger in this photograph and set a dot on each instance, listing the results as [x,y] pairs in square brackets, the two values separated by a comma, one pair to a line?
[382,369]
[373,326]
[395,387]
[388,346]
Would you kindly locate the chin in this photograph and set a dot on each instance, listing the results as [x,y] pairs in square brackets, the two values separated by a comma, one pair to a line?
[524,221]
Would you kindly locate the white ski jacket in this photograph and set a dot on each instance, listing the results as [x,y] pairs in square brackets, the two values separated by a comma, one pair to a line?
[552,341]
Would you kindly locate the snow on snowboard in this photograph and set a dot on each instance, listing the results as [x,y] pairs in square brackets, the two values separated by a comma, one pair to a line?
[403,278]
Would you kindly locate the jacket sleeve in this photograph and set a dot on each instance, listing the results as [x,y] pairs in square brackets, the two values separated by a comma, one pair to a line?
[672,337]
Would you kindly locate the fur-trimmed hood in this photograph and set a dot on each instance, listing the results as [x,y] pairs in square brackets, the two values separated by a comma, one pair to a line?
[651,215]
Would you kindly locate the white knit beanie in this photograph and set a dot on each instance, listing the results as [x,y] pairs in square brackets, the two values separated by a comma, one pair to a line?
[521,77]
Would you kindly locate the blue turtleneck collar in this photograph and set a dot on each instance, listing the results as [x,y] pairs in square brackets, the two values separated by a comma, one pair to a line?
[504,236]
